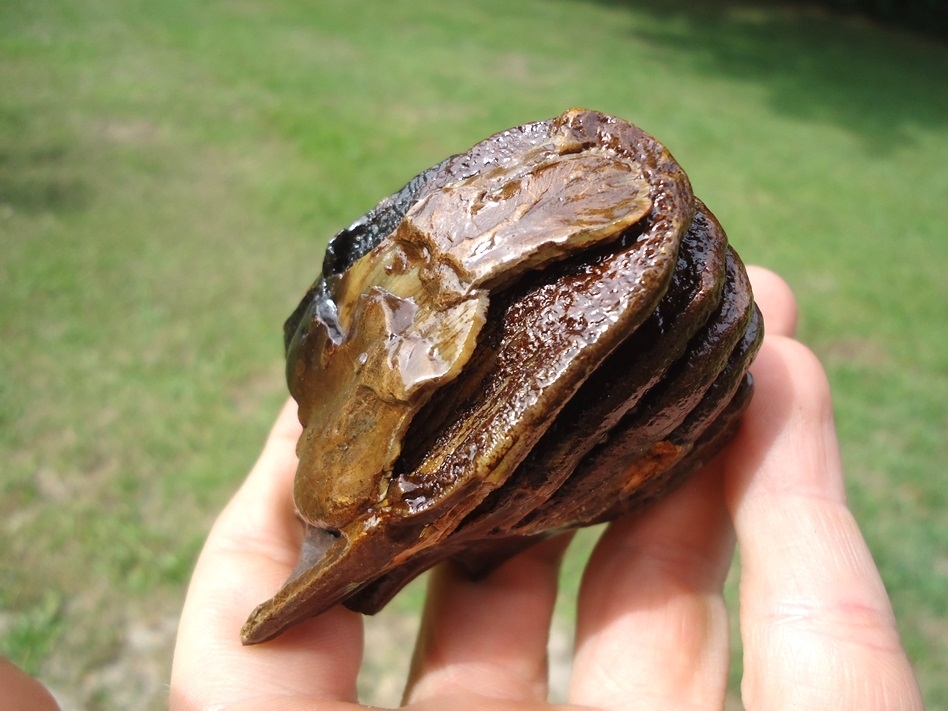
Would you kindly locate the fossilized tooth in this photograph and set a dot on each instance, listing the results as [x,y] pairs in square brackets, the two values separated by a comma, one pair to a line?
[545,332]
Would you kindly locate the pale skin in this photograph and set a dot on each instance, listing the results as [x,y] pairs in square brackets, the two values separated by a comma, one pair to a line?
[652,628]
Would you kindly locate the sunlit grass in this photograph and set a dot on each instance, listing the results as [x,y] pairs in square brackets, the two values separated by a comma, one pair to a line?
[169,173]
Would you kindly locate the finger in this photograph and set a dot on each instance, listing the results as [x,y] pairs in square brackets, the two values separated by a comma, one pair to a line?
[20,691]
[652,626]
[817,626]
[488,637]
[248,555]
[776,301]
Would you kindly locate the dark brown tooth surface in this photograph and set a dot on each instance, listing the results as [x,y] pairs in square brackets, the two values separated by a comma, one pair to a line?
[623,379]
[644,450]
[543,332]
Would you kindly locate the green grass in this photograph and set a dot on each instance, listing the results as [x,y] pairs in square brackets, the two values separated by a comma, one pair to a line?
[169,173]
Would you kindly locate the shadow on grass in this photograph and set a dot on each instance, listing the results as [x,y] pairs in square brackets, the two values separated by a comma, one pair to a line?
[878,83]
[39,173]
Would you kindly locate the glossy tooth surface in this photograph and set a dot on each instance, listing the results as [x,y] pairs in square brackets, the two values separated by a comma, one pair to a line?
[544,332]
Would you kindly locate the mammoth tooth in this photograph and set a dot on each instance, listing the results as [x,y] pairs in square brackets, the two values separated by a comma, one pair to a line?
[545,332]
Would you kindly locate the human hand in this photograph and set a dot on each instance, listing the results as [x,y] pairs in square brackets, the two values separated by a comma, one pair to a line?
[21,692]
[652,628]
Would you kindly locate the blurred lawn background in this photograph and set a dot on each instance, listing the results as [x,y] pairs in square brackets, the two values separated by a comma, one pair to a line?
[169,173]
